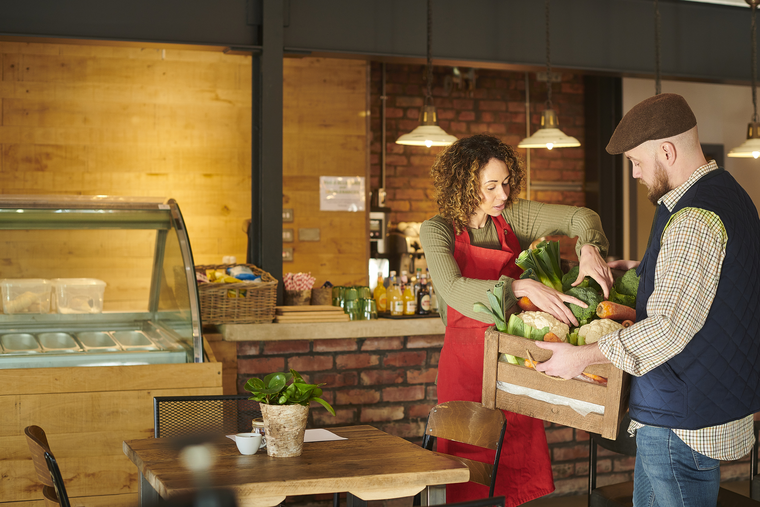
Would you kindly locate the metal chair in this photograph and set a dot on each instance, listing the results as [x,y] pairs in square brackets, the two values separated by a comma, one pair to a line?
[175,416]
[48,473]
[621,494]
[456,420]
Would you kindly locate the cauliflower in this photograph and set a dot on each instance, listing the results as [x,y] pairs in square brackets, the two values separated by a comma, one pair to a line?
[540,320]
[595,329]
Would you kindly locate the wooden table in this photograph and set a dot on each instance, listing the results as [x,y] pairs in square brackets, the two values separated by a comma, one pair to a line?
[369,465]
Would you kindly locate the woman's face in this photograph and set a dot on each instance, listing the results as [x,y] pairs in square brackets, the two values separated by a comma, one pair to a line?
[494,190]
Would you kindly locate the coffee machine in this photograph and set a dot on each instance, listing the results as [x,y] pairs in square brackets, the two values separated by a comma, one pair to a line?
[378,244]
[405,249]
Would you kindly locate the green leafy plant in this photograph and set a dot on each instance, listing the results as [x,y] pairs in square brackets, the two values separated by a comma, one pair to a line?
[496,311]
[285,389]
[545,262]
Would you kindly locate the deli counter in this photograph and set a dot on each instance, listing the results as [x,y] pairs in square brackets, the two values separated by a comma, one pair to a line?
[96,281]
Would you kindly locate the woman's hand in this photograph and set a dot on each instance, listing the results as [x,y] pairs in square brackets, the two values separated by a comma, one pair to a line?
[548,299]
[623,264]
[592,264]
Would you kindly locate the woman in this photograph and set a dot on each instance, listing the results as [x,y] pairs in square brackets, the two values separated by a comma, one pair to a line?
[470,247]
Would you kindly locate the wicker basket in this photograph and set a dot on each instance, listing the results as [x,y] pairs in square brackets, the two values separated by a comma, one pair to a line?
[237,303]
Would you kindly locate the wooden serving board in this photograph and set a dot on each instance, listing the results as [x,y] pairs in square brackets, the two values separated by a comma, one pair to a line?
[281,310]
[342,317]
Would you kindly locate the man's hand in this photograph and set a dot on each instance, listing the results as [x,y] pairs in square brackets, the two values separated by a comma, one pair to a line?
[568,360]
[592,264]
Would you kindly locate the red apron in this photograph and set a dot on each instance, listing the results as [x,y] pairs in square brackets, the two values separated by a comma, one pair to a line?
[524,467]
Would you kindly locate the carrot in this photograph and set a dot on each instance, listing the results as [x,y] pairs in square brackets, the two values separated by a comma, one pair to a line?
[596,378]
[551,337]
[627,323]
[615,311]
[531,364]
[527,305]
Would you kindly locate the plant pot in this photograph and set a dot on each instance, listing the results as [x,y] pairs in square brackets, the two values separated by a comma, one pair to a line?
[284,426]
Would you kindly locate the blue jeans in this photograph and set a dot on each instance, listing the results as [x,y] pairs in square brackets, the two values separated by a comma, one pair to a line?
[669,473]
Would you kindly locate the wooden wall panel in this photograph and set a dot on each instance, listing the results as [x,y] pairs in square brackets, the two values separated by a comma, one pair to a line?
[87,413]
[325,134]
[93,120]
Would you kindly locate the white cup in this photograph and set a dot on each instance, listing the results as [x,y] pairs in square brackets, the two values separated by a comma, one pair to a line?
[248,443]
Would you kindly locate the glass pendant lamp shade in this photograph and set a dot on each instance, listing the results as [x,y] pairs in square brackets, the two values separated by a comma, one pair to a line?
[750,147]
[549,135]
[428,133]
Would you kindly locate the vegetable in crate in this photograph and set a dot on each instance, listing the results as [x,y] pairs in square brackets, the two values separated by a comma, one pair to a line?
[534,326]
[495,298]
[589,296]
[545,262]
[591,332]
[572,275]
[625,288]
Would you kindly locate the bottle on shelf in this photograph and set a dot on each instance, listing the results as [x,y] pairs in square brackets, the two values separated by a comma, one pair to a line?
[418,279]
[410,303]
[394,297]
[423,298]
[433,296]
[380,296]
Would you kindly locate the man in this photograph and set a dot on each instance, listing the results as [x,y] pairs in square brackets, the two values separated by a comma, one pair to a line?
[694,351]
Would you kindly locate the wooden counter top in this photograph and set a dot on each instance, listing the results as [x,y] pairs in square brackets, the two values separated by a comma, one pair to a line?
[331,330]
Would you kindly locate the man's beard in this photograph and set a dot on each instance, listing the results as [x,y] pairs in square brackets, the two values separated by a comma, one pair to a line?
[660,186]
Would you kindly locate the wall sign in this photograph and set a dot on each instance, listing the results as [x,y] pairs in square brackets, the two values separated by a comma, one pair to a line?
[341,193]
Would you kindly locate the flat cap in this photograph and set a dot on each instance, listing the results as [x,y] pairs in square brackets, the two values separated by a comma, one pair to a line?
[657,117]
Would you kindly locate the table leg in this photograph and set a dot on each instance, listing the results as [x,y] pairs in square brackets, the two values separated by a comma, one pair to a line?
[354,501]
[146,495]
[433,495]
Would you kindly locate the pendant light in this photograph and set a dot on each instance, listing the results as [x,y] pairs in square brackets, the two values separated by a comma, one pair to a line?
[549,135]
[657,81]
[751,147]
[428,133]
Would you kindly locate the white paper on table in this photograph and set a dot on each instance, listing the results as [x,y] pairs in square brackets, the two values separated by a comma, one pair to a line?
[320,435]
[315,435]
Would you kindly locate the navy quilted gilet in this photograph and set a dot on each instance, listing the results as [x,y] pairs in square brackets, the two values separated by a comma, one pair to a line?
[716,378]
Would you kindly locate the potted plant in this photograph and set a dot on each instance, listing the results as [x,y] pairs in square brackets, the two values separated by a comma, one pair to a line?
[284,400]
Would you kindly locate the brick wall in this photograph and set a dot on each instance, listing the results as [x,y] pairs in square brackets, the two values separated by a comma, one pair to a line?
[496,105]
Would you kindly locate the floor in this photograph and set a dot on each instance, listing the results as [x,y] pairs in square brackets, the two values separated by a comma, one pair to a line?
[741,487]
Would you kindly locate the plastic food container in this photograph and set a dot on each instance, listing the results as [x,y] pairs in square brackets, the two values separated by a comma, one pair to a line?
[25,295]
[78,295]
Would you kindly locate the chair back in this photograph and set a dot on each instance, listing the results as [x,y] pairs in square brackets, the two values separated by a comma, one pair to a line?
[175,416]
[48,472]
[471,423]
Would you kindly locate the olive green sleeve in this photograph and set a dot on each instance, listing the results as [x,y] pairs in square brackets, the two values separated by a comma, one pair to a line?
[531,220]
[437,238]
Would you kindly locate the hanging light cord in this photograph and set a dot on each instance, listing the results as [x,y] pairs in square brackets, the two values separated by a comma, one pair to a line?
[753,5]
[657,84]
[548,61]
[429,96]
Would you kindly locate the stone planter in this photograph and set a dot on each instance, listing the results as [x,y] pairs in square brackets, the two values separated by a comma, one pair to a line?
[284,426]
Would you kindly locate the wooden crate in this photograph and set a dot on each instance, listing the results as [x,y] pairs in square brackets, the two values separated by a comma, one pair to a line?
[613,396]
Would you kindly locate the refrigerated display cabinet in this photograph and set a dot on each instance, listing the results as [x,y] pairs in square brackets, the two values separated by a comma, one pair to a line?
[138,246]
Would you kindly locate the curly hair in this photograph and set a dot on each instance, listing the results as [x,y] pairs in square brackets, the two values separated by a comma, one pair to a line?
[456,176]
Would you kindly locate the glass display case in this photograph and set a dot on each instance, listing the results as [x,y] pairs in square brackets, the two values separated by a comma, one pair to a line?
[96,281]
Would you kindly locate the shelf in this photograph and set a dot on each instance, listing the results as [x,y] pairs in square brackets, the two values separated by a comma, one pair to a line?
[332,330]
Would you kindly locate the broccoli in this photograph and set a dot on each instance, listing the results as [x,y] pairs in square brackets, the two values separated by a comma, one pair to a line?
[589,296]
[625,288]
[572,275]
